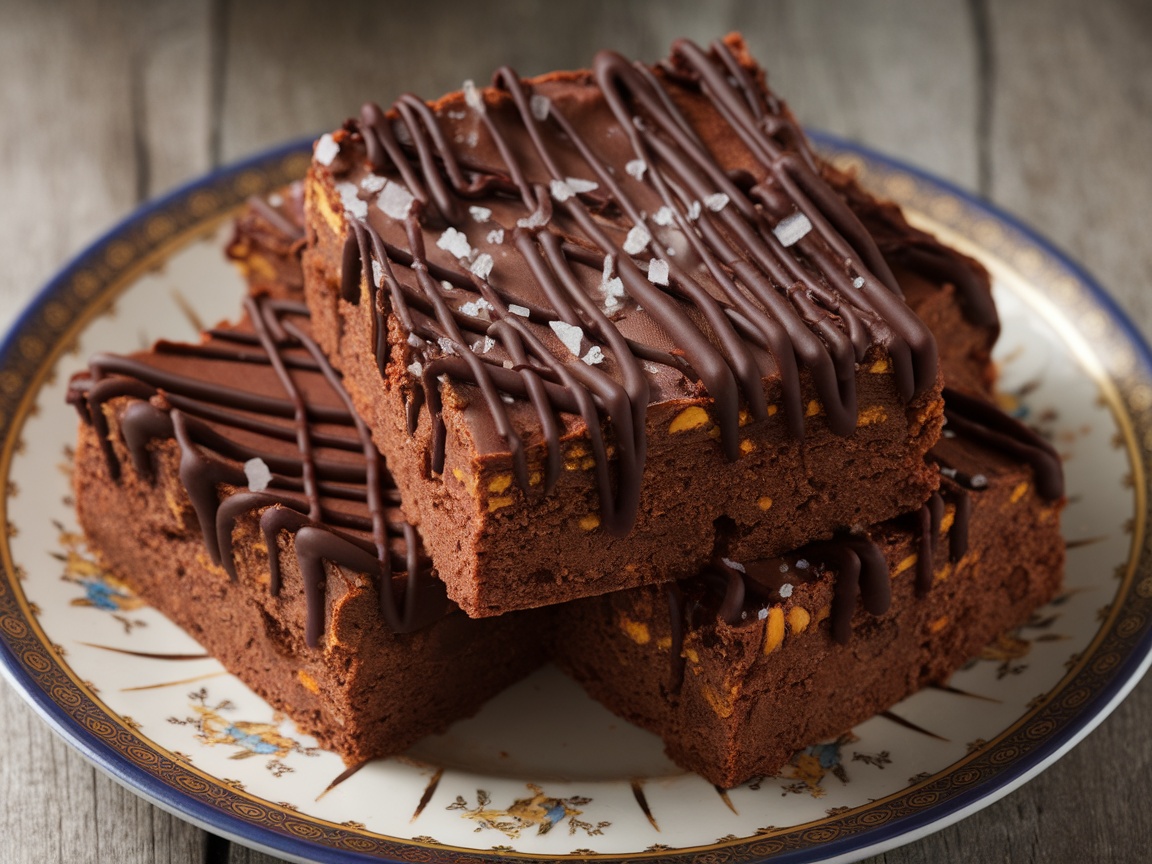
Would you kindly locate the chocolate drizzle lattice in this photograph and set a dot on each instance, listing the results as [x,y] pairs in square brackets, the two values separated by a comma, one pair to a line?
[592,217]
[328,487]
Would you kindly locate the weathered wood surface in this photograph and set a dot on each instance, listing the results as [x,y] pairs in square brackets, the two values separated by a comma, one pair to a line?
[1044,107]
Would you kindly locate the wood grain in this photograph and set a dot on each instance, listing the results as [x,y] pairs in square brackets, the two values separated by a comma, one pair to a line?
[1046,107]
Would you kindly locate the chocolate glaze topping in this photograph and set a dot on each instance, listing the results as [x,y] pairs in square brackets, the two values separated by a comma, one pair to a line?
[669,227]
[329,489]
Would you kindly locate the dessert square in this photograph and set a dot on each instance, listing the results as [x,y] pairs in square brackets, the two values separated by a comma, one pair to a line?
[740,667]
[230,485]
[605,325]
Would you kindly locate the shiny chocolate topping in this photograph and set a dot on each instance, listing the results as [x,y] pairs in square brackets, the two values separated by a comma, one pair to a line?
[588,244]
[261,399]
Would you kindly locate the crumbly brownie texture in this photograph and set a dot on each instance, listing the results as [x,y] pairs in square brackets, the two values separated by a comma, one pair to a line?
[619,309]
[343,625]
[267,241]
[739,668]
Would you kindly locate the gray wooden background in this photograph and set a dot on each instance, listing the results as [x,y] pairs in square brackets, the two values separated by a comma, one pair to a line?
[1043,107]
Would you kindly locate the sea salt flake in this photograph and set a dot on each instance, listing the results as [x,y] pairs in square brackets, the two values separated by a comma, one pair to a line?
[395,200]
[476,308]
[978,481]
[650,368]
[455,243]
[658,271]
[560,190]
[495,236]
[377,273]
[663,216]
[482,266]
[522,311]
[762,614]
[614,287]
[414,340]
[536,220]
[784,568]
[480,214]
[416,368]
[735,565]
[693,211]
[350,198]
[791,229]
[786,590]
[508,364]
[373,183]
[446,285]
[636,240]
[275,199]
[802,564]
[326,150]
[595,355]
[483,346]
[540,106]
[716,202]
[258,474]
[446,345]
[473,97]
[609,269]
[507,399]
[636,168]
[571,335]
[858,282]
[579,185]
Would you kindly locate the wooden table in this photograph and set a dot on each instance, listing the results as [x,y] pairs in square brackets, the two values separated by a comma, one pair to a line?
[1043,107]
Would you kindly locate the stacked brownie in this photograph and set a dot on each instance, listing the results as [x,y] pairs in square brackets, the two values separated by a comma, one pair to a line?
[662,398]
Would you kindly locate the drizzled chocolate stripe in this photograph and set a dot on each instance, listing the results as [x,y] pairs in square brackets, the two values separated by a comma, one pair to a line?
[219,426]
[741,295]
[985,423]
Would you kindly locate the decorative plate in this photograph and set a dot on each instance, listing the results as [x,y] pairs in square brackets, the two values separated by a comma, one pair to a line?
[543,772]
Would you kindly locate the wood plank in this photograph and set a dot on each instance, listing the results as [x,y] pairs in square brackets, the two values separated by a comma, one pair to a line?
[848,67]
[1071,130]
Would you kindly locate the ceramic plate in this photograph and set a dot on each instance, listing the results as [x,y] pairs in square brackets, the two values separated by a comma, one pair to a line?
[543,772]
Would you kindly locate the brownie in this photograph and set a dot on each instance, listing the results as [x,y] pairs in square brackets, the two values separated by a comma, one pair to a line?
[606,324]
[267,241]
[229,483]
[752,660]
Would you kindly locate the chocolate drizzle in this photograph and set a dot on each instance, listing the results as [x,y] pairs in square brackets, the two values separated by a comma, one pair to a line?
[986,424]
[329,490]
[755,265]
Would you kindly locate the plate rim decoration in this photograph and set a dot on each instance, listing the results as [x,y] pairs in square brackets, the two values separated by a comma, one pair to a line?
[1115,660]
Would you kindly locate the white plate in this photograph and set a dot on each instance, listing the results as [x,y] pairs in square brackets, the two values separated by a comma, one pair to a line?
[542,771]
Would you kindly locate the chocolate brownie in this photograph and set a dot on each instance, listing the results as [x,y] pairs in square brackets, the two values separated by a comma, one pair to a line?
[620,309]
[230,484]
[740,667]
[267,241]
